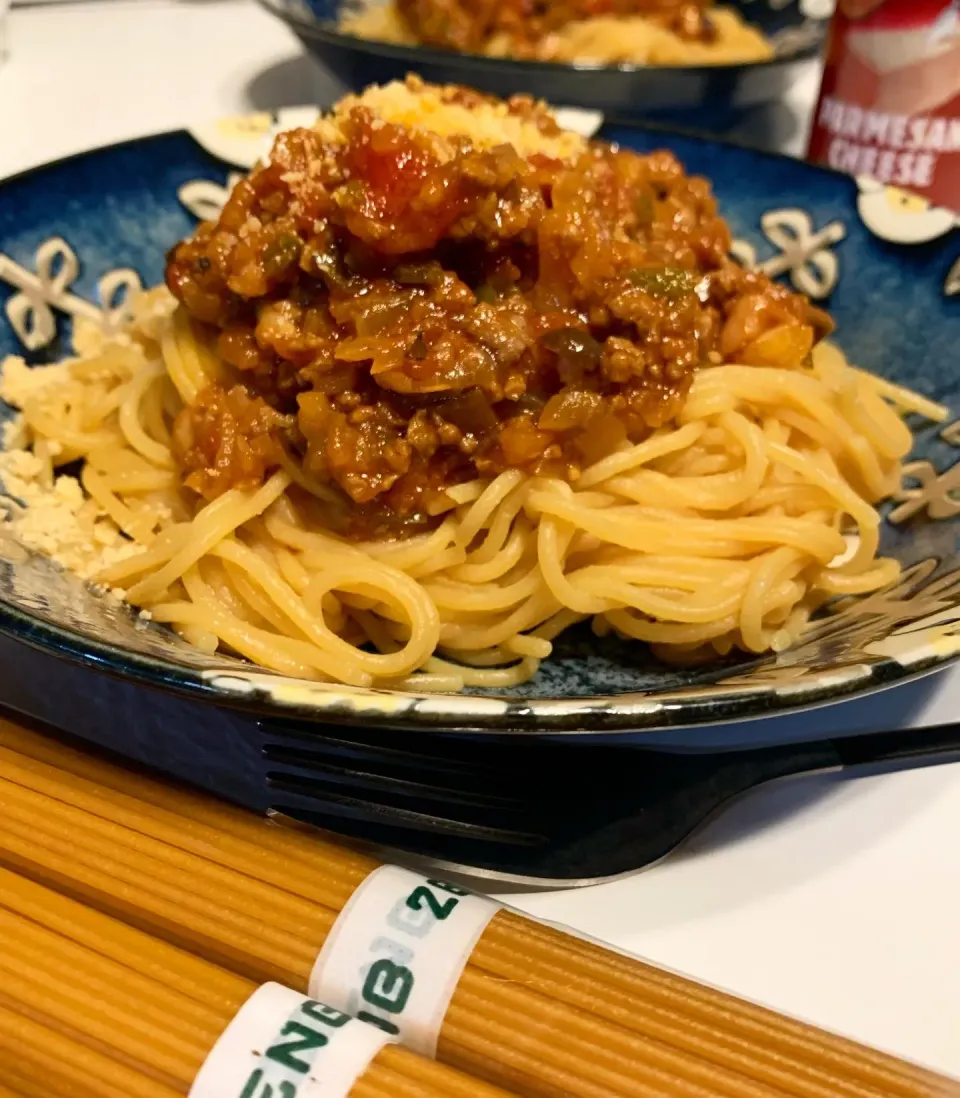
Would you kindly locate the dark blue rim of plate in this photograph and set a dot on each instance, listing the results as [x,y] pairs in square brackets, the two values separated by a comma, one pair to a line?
[470,62]
[253,690]
[262,694]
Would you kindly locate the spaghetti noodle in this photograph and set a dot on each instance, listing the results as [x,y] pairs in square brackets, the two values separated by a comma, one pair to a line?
[344,461]
[96,1007]
[15,1086]
[38,1060]
[536,1011]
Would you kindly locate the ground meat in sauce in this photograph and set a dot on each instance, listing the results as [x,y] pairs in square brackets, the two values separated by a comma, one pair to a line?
[469,25]
[230,439]
[401,320]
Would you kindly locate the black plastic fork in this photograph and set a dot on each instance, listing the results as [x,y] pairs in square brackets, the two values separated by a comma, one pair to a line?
[541,811]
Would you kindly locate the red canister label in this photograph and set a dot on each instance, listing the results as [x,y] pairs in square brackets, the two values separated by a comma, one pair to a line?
[889,106]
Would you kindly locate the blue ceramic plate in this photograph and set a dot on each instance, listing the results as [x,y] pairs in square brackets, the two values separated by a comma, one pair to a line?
[709,97]
[75,236]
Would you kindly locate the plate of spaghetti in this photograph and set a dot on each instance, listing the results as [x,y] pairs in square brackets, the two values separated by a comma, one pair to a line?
[637,32]
[691,61]
[444,414]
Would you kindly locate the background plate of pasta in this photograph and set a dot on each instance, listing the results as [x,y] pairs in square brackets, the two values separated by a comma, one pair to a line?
[694,62]
[442,415]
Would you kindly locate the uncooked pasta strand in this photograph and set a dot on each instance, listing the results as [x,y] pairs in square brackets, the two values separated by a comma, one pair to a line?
[47,1063]
[183,972]
[50,993]
[107,885]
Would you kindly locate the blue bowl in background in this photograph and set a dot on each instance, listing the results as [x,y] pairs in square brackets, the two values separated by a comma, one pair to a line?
[711,98]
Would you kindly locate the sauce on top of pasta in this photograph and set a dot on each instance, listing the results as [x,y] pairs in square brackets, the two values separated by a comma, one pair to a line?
[406,309]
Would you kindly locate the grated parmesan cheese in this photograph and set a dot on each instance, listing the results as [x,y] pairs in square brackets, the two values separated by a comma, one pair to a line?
[434,109]
[19,382]
[15,435]
[60,522]
[56,519]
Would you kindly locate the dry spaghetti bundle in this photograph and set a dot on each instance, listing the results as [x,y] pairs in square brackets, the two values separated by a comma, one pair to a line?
[89,1006]
[535,1010]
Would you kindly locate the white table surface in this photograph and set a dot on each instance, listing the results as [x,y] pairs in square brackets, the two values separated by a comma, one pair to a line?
[832,899]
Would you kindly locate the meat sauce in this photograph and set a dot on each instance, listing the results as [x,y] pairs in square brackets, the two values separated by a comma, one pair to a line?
[405,313]
[468,25]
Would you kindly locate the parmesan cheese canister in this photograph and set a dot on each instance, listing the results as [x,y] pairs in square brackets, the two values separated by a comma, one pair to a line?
[889,105]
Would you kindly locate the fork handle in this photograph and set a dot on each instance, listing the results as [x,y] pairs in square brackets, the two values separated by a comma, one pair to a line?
[918,746]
